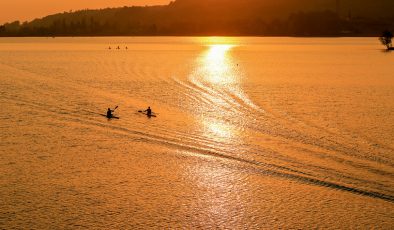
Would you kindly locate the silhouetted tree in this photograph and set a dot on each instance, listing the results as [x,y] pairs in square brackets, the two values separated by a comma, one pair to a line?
[386,39]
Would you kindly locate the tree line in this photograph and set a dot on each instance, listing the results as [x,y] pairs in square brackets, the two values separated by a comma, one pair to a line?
[219,17]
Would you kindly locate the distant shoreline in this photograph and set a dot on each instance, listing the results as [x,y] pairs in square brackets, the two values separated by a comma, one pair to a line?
[251,36]
[247,18]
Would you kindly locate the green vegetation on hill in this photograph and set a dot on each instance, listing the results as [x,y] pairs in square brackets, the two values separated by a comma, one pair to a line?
[220,17]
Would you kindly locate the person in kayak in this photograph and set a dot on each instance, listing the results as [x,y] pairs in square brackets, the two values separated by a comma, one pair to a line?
[148,111]
[109,113]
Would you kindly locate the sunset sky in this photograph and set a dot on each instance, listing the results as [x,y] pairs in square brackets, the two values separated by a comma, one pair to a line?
[11,10]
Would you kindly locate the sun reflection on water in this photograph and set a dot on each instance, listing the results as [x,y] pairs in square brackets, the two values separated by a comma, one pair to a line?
[219,130]
[217,76]
[217,65]
[216,81]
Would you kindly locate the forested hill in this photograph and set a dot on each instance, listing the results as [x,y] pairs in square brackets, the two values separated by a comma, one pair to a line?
[220,17]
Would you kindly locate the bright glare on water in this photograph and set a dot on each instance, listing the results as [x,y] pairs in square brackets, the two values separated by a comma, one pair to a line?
[248,133]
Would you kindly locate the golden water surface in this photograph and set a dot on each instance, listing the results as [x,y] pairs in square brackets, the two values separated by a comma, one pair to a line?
[249,133]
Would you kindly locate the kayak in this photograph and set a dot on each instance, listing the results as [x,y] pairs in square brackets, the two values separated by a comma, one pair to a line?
[112,117]
[145,113]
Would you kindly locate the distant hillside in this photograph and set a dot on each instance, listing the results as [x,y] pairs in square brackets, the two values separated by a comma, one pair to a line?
[220,17]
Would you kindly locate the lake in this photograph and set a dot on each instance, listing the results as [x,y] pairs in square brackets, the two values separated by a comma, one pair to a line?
[249,133]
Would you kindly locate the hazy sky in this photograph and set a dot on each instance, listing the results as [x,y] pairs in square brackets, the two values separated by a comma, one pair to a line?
[11,10]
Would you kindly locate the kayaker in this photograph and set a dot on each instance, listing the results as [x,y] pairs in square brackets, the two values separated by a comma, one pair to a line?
[109,113]
[148,111]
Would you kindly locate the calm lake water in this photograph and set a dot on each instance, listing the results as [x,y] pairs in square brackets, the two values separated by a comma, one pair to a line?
[250,133]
